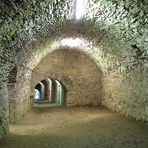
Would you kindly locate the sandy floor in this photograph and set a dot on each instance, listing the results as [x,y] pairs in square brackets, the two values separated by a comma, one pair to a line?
[76,128]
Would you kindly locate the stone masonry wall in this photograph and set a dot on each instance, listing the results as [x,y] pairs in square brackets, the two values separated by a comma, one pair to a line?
[4,111]
[22,22]
[118,31]
[81,77]
[22,92]
[127,94]
[125,82]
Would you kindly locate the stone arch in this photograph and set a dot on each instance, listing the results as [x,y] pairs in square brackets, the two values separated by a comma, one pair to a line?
[73,80]
[50,90]
[111,22]
[87,47]
[38,87]
[59,94]
[46,88]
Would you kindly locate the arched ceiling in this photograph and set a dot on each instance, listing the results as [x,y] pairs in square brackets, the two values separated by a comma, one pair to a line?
[117,28]
[115,34]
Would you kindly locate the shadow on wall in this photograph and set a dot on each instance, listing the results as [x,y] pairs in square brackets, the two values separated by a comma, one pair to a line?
[11,94]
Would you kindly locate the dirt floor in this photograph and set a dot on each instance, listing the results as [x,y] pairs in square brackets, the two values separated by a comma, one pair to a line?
[76,128]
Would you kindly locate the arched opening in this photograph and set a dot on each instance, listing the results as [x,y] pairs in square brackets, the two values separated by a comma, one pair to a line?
[50,92]
[45,89]
[76,71]
[37,92]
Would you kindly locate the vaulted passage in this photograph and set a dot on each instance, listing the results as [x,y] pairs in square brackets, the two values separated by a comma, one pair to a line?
[50,92]
[66,65]
[79,74]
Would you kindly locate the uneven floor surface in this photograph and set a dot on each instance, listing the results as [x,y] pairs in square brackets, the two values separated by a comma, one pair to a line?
[76,128]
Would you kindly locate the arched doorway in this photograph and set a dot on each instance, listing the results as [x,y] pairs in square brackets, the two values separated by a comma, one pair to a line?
[80,75]
[49,91]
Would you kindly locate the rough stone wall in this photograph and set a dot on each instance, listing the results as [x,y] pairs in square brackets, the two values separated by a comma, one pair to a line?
[12,104]
[124,19]
[118,30]
[11,93]
[22,22]
[22,94]
[125,83]
[4,111]
[78,73]
[127,94]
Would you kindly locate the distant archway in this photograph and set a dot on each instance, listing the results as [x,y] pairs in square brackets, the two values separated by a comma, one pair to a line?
[77,71]
[49,91]
[59,93]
